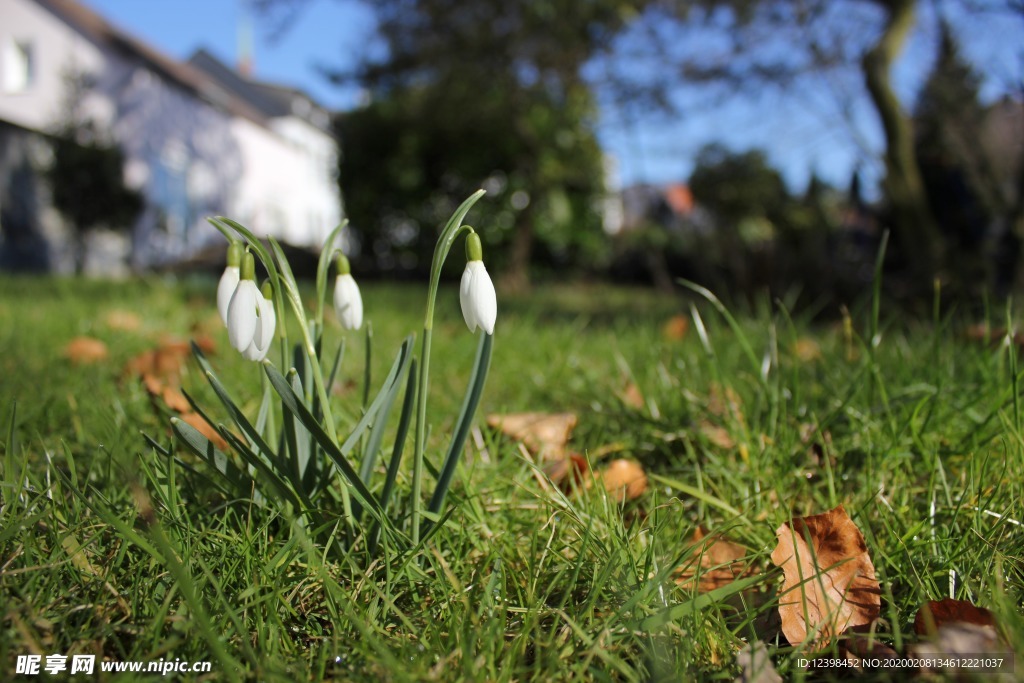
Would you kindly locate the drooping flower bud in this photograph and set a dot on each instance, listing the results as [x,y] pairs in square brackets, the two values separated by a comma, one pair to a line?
[476,291]
[229,280]
[265,325]
[243,310]
[348,303]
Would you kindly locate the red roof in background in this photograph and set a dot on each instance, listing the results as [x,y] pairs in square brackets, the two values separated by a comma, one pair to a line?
[679,198]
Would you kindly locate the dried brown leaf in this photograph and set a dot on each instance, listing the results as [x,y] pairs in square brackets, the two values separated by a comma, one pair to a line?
[205,343]
[154,385]
[624,478]
[718,436]
[85,350]
[715,562]
[544,434]
[123,321]
[568,472]
[934,614]
[806,350]
[632,396]
[676,328]
[176,400]
[165,362]
[830,583]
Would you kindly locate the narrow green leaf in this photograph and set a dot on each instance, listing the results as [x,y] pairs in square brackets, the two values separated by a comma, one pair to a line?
[469,404]
[392,377]
[300,457]
[204,448]
[367,365]
[11,473]
[294,405]
[404,421]
[334,367]
[234,412]
[380,424]
[741,336]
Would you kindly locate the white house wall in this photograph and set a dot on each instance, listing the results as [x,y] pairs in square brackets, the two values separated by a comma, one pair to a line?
[56,51]
[285,190]
[182,152]
[191,159]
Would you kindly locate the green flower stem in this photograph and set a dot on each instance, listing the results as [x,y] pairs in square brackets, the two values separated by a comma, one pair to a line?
[323,267]
[444,245]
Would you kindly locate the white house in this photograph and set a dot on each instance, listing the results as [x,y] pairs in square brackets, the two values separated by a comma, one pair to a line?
[199,138]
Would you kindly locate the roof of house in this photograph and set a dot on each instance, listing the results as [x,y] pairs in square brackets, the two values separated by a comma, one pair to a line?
[270,99]
[194,80]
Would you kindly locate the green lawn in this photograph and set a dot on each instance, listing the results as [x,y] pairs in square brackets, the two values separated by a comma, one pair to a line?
[108,548]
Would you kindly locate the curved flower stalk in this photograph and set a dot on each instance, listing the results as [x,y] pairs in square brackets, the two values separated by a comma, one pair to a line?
[348,303]
[476,291]
[229,280]
[444,244]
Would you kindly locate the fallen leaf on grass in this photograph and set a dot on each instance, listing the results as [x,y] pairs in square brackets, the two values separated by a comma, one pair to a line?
[544,434]
[205,343]
[85,350]
[806,350]
[755,664]
[124,321]
[714,562]
[568,472]
[830,583]
[632,396]
[154,363]
[676,327]
[175,400]
[625,479]
[718,436]
[164,363]
[935,614]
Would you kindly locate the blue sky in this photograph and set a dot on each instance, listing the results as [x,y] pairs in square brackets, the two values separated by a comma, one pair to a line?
[800,135]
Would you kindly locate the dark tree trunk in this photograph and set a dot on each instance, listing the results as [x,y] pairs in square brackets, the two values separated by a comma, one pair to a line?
[517,274]
[81,251]
[912,222]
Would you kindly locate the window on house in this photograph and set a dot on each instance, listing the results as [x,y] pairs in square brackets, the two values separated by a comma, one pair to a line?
[18,66]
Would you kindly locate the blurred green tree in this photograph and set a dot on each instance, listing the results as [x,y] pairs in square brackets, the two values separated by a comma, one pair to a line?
[88,188]
[412,154]
[490,94]
[746,48]
[86,175]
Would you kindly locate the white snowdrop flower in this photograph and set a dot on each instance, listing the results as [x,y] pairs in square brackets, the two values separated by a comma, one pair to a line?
[476,292]
[243,311]
[265,326]
[229,280]
[348,303]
